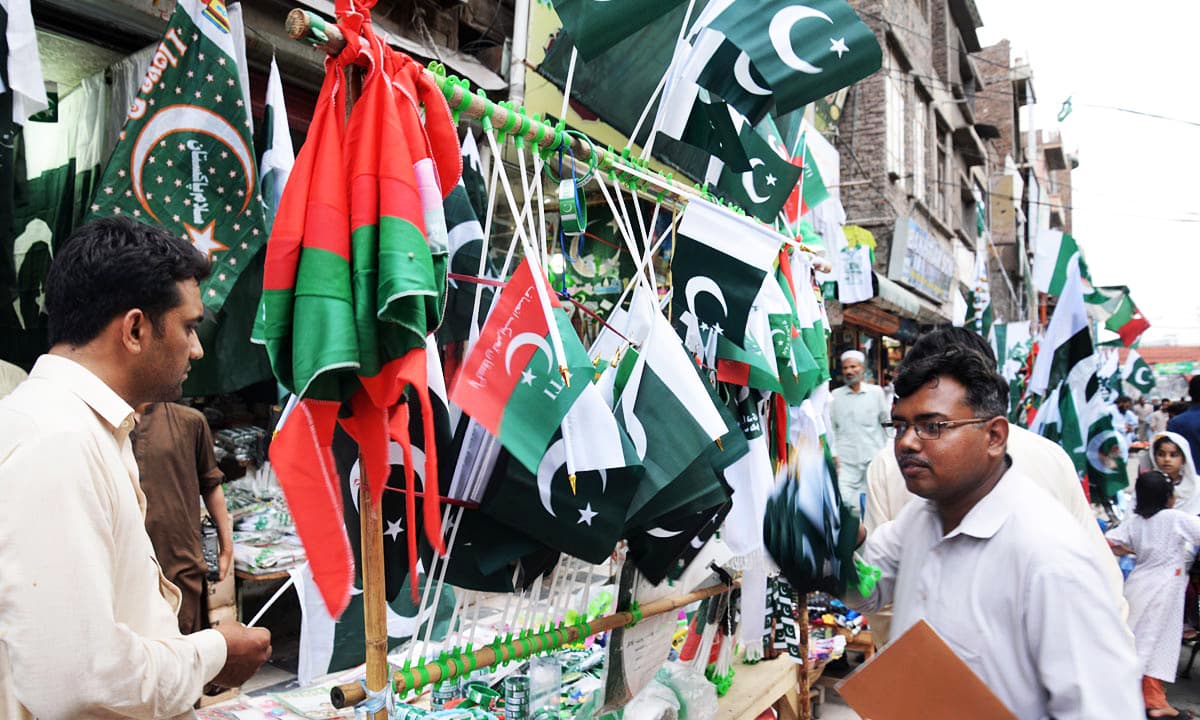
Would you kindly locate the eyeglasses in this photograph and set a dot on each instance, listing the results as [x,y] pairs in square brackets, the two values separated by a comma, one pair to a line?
[927,429]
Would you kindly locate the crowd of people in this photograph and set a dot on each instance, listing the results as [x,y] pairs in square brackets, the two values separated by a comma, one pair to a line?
[977,526]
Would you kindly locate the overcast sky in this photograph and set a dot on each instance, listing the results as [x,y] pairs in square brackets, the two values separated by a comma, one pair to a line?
[1137,188]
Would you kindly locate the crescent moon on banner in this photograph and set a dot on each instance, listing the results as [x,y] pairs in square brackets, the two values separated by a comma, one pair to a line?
[777,145]
[748,182]
[528,338]
[697,543]
[704,284]
[741,73]
[658,532]
[395,458]
[555,457]
[780,32]
[1093,449]
[1143,377]
[193,119]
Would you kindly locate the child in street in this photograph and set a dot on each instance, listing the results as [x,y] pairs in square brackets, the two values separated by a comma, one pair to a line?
[1163,539]
[1171,455]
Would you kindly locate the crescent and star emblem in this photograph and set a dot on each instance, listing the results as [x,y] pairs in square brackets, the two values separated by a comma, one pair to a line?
[780,32]
[528,338]
[748,183]
[1144,376]
[703,284]
[553,461]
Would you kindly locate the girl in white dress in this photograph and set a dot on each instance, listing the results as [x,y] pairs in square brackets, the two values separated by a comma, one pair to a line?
[1163,540]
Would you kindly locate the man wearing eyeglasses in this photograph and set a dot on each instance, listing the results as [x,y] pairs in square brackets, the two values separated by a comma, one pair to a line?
[990,560]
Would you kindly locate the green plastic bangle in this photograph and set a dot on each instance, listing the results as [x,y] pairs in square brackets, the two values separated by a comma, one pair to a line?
[482,695]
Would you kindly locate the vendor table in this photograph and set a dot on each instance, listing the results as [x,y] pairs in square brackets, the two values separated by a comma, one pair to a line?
[765,684]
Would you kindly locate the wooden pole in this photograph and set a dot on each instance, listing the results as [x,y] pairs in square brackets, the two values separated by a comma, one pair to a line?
[802,629]
[352,693]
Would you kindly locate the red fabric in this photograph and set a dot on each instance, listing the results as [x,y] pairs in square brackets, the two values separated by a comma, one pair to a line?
[1153,694]
[732,371]
[1133,329]
[303,460]
[779,417]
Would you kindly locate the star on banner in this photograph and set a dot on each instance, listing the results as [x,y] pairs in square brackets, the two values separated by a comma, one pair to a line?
[838,46]
[203,240]
[393,530]
[586,515]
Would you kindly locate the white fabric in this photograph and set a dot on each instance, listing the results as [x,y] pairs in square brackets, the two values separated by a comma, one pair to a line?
[24,65]
[1070,317]
[1016,592]
[853,355]
[87,620]
[10,377]
[1039,459]
[1186,497]
[858,419]
[854,281]
[1165,547]
[1046,248]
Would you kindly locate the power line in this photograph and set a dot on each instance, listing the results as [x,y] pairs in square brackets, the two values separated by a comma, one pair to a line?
[1131,111]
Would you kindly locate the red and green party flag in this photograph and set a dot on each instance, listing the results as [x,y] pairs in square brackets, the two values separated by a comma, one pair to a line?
[185,158]
[510,381]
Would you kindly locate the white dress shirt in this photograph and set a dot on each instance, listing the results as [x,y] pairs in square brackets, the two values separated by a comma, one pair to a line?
[87,620]
[858,419]
[1017,594]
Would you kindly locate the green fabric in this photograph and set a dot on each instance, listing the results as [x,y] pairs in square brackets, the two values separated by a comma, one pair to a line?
[187,161]
[598,25]
[762,190]
[796,47]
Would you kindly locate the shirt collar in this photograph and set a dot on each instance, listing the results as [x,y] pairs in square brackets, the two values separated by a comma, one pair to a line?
[990,513]
[89,388]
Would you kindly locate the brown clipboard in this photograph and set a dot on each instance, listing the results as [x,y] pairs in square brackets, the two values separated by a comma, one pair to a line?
[918,677]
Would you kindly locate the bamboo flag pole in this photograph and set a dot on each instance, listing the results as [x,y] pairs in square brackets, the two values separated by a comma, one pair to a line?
[521,647]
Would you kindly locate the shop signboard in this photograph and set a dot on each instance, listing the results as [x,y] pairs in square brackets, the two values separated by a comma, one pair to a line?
[1177,368]
[921,261]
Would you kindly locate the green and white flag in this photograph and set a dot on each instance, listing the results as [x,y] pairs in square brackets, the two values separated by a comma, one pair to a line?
[279,156]
[1058,421]
[662,403]
[185,159]
[1052,254]
[804,51]
[1011,343]
[720,263]
[1137,373]
[1068,340]
[765,187]
[597,25]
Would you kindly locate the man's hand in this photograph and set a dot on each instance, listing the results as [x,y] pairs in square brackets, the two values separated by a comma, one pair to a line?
[246,650]
[862,535]
[224,560]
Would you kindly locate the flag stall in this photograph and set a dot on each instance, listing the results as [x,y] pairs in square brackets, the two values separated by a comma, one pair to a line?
[527,391]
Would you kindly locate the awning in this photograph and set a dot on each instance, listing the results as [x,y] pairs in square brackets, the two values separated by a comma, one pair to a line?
[906,303]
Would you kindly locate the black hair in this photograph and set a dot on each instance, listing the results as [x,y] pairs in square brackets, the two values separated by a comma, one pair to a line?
[1165,439]
[962,355]
[1194,388]
[1154,491]
[1124,398]
[110,266]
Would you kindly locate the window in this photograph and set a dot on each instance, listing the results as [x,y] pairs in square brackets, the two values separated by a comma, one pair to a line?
[893,87]
[940,185]
[920,133]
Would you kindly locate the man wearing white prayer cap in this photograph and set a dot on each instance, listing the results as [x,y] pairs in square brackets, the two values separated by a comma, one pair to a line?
[859,411]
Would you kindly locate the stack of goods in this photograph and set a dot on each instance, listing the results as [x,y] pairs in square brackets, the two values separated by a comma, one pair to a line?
[264,535]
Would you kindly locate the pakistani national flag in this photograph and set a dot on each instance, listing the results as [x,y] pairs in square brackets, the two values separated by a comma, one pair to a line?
[279,156]
[1107,455]
[744,89]
[804,51]
[585,522]
[1052,256]
[1058,420]
[597,25]
[466,244]
[510,381]
[185,159]
[720,262]
[1068,340]
[664,406]
[665,548]
[763,189]
[1137,373]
